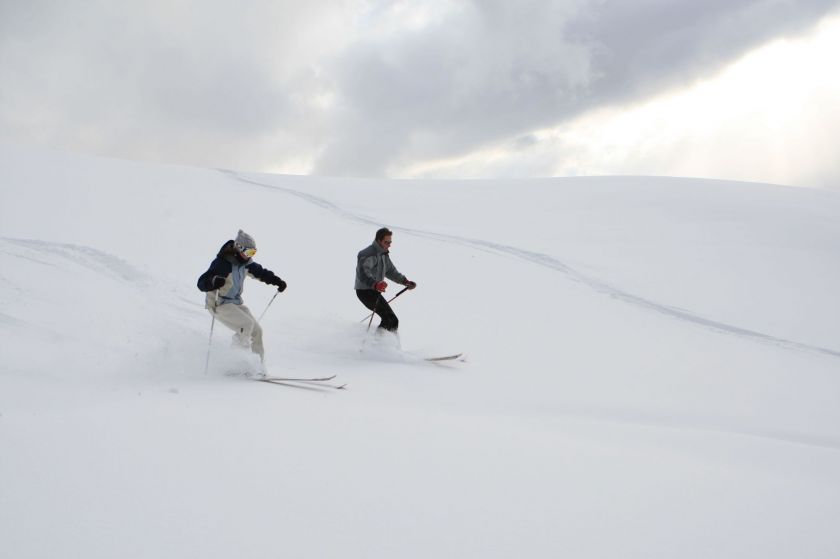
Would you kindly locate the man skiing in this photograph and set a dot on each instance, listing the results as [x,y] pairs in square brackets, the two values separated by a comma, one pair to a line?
[373,265]
[223,282]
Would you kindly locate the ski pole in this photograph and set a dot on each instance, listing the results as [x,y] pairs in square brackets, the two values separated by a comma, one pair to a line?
[210,341]
[266,307]
[373,313]
[374,305]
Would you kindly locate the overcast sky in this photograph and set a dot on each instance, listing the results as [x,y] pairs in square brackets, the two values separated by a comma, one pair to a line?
[742,89]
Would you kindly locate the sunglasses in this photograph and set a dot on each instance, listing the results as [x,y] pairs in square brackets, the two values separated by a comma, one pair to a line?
[248,252]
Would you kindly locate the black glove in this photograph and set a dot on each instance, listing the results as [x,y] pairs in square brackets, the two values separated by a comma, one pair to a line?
[218,281]
[281,285]
[410,284]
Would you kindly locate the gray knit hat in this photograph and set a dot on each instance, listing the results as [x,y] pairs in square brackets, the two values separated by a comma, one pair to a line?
[244,240]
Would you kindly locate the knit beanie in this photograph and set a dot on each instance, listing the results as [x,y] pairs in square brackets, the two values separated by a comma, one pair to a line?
[244,240]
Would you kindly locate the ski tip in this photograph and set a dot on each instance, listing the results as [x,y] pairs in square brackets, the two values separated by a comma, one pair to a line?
[445,357]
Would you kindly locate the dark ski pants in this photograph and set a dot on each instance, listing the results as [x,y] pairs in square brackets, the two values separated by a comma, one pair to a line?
[374,299]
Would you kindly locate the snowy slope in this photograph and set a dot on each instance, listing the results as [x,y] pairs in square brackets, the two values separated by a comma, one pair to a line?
[653,368]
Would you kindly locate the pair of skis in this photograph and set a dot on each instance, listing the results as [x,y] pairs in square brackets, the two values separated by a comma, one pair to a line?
[316,383]
[312,383]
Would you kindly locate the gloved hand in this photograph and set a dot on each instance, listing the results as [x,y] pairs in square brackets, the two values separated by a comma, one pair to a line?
[410,284]
[281,285]
[218,281]
[380,286]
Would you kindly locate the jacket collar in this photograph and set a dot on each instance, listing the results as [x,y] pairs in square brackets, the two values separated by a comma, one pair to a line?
[379,248]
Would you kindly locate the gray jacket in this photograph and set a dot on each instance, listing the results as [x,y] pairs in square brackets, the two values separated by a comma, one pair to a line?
[374,265]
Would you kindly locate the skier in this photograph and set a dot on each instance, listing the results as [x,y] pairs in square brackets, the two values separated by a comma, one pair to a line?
[223,283]
[372,267]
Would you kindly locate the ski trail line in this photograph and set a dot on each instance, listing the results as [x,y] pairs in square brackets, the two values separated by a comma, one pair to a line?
[652,420]
[547,261]
[47,253]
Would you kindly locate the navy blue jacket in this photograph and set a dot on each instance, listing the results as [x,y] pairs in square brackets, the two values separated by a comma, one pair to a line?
[230,266]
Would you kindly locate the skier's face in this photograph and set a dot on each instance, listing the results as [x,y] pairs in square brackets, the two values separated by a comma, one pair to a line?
[385,243]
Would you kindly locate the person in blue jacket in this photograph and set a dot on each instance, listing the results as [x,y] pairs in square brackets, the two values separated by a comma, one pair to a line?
[224,281]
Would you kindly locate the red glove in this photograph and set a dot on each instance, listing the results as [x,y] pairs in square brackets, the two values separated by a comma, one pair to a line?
[410,284]
[380,286]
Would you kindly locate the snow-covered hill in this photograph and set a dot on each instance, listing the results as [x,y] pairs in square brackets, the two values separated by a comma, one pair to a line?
[652,368]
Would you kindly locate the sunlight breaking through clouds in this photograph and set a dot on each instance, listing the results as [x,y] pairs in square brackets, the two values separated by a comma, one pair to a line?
[772,116]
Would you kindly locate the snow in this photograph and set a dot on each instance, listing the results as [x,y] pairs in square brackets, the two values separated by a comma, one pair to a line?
[651,368]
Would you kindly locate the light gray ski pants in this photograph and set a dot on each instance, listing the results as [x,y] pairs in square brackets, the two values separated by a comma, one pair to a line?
[247,331]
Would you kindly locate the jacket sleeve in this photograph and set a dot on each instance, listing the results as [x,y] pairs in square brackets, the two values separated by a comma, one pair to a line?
[217,269]
[366,266]
[392,273]
[263,274]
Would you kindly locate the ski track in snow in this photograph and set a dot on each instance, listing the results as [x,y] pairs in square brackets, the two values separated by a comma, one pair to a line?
[12,322]
[636,418]
[85,256]
[550,262]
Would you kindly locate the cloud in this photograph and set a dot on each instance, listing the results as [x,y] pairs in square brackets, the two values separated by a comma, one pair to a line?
[350,87]
[771,116]
[494,69]
[200,82]
[480,72]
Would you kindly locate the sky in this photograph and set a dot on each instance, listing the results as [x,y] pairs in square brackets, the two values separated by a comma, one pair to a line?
[730,89]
